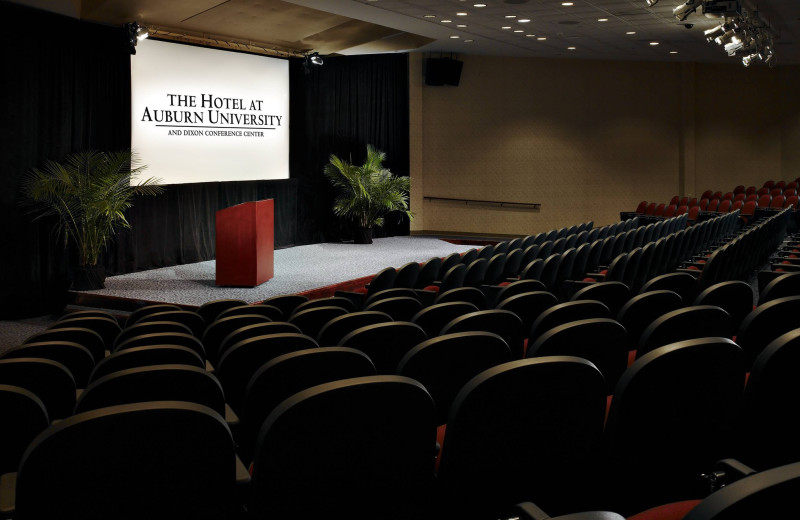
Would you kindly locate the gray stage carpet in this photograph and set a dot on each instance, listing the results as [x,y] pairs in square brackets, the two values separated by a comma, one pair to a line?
[297,269]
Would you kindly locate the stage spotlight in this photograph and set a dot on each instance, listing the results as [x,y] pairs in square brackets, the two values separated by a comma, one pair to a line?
[770,60]
[142,33]
[683,11]
[651,3]
[747,60]
[713,33]
[315,58]
[734,46]
[136,33]
[726,37]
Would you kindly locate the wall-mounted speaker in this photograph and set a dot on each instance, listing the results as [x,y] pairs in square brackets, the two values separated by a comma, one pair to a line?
[443,71]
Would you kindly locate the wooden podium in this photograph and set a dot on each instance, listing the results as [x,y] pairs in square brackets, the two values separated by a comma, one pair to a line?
[245,244]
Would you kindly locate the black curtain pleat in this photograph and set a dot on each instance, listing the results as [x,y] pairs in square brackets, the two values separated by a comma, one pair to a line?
[66,87]
[339,108]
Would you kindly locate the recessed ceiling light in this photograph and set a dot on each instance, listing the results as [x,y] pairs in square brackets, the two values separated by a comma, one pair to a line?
[541,38]
[566,4]
[455,37]
[653,43]
[523,20]
[461,14]
[468,41]
[447,21]
[511,16]
[506,27]
[570,48]
[602,19]
[519,31]
[462,25]
[478,5]
[673,52]
[631,32]
[429,16]
[530,35]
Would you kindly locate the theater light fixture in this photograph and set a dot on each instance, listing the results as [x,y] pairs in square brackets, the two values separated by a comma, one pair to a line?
[136,33]
[315,58]
[741,32]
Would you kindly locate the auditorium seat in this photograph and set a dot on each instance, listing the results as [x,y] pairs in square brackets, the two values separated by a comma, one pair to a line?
[564,313]
[641,310]
[528,306]
[777,202]
[76,358]
[155,383]
[49,380]
[687,323]
[783,285]
[407,275]
[24,417]
[428,273]
[641,207]
[363,446]
[147,356]
[181,339]
[533,270]
[330,301]
[495,269]
[682,283]
[137,314]
[671,417]
[242,360]
[764,200]
[769,428]
[400,308]
[712,205]
[178,460]
[612,294]
[433,318]
[288,374]
[603,342]
[734,296]
[385,343]
[451,279]
[765,323]
[791,202]
[383,279]
[774,192]
[512,265]
[469,256]
[444,364]
[311,321]
[332,332]
[725,206]
[210,310]
[704,203]
[504,323]
[508,438]
[191,319]
[751,190]
[739,196]
[107,328]
[472,295]
[270,311]
[151,327]
[486,252]
[706,194]
[287,303]
[390,293]
[475,273]
[217,330]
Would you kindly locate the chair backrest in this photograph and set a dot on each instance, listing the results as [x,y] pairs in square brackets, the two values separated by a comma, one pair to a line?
[332,332]
[712,205]
[528,306]
[765,323]
[433,318]
[777,202]
[400,308]
[191,319]
[407,275]
[486,252]
[734,296]
[566,312]
[445,363]
[725,206]
[682,283]
[243,359]
[508,436]
[602,341]
[287,303]
[771,396]
[287,374]
[698,321]
[612,294]
[363,445]
[476,271]
[154,383]
[385,343]
[152,327]
[791,202]
[448,262]
[512,264]
[429,272]
[469,256]
[147,356]
[210,310]
[453,278]
[88,338]
[781,286]
[24,417]
[137,314]
[49,380]
[163,338]
[641,310]
[218,330]
[641,207]
[178,460]
[331,301]
[383,279]
[495,269]
[677,404]
[311,321]
[504,323]
[472,295]
[270,311]
[764,200]
[107,328]
[76,358]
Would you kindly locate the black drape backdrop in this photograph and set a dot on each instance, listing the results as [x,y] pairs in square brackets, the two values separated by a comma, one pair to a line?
[66,87]
[339,108]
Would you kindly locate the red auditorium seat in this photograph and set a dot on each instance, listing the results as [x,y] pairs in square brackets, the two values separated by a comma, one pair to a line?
[675,199]
[750,190]
[651,208]
[764,200]
[737,205]
[763,191]
[728,196]
[776,191]
[791,202]
[704,202]
[739,196]
[780,184]
[713,205]
[777,202]
[706,194]
[769,185]
[752,196]
[670,211]
[716,195]
[724,206]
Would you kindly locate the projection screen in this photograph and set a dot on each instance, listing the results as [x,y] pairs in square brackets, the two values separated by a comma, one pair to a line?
[205,115]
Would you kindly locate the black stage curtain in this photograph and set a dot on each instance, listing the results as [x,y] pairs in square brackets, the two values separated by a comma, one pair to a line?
[65,87]
[339,108]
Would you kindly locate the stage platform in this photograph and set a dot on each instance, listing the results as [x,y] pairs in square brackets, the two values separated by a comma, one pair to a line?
[303,269]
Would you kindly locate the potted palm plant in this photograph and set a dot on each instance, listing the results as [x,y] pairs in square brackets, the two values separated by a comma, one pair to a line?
[88,194]
[367,193]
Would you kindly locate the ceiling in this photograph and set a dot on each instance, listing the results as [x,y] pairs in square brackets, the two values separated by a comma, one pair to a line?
[349,27]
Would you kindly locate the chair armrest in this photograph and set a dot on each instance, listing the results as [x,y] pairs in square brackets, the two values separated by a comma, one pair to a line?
[8,495]
[230,416]
[242,474]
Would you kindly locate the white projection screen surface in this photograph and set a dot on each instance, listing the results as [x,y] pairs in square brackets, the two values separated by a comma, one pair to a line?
[206,115]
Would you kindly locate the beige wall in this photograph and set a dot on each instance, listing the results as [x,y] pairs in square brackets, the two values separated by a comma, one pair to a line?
[587,139]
